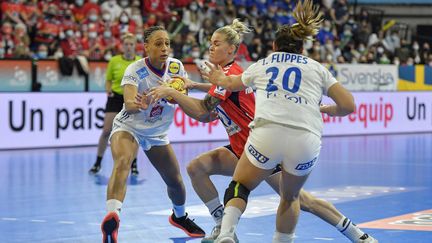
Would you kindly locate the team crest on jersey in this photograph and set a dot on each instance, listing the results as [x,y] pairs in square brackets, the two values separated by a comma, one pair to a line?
[220,91]
[174,68]
[142,73]
[156,111]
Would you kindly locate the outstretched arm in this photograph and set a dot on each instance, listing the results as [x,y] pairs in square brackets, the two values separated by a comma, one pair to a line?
[217,77]
[201,110]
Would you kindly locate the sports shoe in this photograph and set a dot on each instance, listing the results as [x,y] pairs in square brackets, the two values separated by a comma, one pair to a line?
[187,225]
[212,237]
[214,234]
[109,228]
[95,169]
[367,239]
[229,237]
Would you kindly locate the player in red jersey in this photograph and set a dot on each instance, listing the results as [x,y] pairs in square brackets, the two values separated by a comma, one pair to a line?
[235,110]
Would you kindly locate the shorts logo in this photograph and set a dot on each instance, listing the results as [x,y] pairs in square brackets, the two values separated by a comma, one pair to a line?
[174,68]
[257,155]
[307,165]
[220,91]
[142,73]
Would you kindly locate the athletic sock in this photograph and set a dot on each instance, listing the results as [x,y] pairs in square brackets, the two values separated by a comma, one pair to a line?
[98,161]
[350,230]
[216,210]
[179,210]
[114,205]
[279,237]
[230,219]
[134,163]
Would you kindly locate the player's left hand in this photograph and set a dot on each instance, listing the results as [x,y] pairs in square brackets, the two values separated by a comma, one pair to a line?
[160,92]
[143,100]
[215,73]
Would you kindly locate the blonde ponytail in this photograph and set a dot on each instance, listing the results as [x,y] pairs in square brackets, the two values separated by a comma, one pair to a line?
[308,20]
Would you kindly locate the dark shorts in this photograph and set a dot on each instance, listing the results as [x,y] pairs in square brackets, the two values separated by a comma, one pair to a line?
[276,170]
[114,103]
[231,149]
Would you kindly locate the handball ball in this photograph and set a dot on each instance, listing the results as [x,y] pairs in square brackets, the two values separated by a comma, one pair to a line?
[177,84]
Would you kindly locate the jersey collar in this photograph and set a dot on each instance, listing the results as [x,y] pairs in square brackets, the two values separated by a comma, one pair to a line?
[154,70]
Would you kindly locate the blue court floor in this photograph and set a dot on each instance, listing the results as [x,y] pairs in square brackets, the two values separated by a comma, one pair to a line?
[383,183]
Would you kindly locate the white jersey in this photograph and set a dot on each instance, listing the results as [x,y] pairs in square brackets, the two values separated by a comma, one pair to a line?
[156,119]
[289,89]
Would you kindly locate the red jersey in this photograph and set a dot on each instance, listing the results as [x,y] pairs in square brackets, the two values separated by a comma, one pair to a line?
[236,110]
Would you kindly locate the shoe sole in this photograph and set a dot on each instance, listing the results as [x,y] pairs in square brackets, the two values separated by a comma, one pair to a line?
[227,240]
[187,232]
[109,228]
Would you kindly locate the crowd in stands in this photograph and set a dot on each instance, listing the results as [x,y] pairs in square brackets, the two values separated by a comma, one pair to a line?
[92,28]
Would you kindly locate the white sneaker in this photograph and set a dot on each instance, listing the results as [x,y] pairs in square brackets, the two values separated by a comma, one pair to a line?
[229,237]
[367,239]
[212,237]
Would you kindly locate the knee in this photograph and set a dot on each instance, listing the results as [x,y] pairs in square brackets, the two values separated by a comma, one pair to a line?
[307,204]
[195,168]
[122,164]
[289,197]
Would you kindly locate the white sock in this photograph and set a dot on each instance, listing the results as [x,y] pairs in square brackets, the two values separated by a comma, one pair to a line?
[114,205]
[230,219]
[279,237]
[179,210]
[347,228]
[216,210]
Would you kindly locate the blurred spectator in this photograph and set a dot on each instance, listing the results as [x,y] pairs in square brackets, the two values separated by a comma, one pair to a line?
[392,41]
[243,53]
[11,11]
[48,29]
[42,52]
[325,32]
[339,13]
[21,42]
[7,43]
[111,7]
[191,17]
[137,17]
[160,8]
[124,25]
[92,5]
[78,11]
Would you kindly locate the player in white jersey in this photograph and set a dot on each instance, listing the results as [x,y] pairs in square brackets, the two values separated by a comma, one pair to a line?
[145,125]
[287,125]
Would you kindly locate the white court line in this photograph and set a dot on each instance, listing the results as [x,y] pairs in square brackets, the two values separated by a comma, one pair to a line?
[10,219]
[256,234]
[320,238]
[38,220]
[66,222]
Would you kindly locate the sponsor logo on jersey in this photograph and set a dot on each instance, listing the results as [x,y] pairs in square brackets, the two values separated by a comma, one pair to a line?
[174,68]
[307,165]
[257,155]
[142,73]
[220,91]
